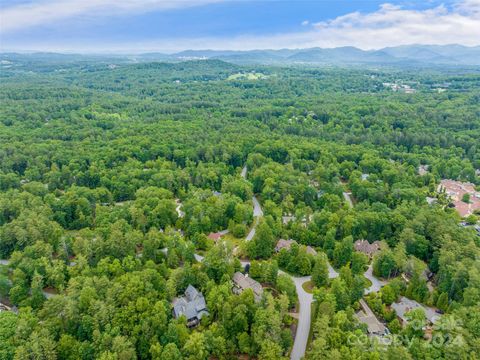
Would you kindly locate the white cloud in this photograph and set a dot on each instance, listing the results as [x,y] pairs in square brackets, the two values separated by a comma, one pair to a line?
[394,25]
[25,15]
[390,25]
[305,23]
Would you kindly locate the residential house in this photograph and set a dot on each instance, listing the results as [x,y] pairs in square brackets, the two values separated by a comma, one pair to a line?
[366,316]
[192,306]
[405,305]
[287,244]
[365,247]
[215,236]
[284,244]
[4,307]
[456,190]
[410,268]
[287,219]
[243,282]
[423,170]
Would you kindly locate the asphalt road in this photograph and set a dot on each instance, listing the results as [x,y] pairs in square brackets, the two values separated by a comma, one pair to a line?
[347,197]
[257,213]
[243,174]
[304,316]
[377,284]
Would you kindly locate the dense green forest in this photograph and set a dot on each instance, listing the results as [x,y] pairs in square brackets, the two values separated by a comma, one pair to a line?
[96,160]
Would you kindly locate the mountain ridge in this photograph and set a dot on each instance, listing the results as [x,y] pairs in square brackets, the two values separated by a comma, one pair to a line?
[403,55]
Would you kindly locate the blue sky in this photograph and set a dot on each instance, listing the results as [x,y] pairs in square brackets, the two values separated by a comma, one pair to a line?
[166,25]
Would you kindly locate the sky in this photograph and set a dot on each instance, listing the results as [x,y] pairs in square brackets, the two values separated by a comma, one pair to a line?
[133,26]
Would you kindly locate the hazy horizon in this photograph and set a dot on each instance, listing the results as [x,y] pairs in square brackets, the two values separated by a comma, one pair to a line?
[132,27]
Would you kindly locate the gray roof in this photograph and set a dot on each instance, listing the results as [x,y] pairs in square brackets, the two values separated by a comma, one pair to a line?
[284,244]
[192,305]
[243,282]
[366,316]
[405,305]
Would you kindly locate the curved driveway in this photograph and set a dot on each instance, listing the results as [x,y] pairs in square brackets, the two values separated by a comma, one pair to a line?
[377,284]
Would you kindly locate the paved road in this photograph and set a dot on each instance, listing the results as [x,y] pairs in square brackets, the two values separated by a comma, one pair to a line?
[257,213]
[257,209]
[377,284]
[304,299]
[251,233]
[332,274]
[348,199]
[243,174]
[304,316]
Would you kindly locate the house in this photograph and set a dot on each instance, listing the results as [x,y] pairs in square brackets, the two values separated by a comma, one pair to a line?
[475,227]
[456,190]
[215,236]
[423,170]
[405,305]
[4,307]
[287,219]
[192,306]
[287,244]
[365,247]
[284,244]
[366,316]
[411,266]
[243,282]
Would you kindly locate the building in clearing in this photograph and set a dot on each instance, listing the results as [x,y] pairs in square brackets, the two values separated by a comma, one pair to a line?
[365,247]
[366,316]
[192,306]
[243,282]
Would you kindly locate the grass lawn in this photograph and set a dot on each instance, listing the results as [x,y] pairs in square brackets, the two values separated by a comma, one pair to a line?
[247,76]
[232,240]
[308,286]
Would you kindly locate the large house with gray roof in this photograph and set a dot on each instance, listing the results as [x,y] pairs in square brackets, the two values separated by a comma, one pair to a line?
[404,305]
[243,282]
[367,317]
[192,306]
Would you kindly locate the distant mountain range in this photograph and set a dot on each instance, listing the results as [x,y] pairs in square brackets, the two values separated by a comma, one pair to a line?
[399,55]
[409,55]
